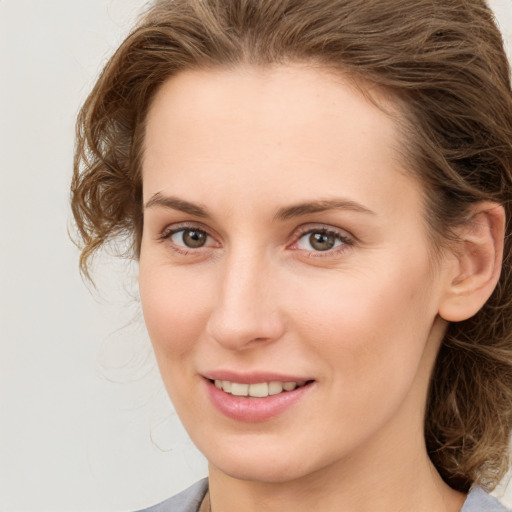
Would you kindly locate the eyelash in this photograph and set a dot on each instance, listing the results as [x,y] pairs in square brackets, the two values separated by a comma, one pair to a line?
[168,233]
[345,241]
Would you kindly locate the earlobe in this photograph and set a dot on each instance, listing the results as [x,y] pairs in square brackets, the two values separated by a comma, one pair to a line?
[477,263]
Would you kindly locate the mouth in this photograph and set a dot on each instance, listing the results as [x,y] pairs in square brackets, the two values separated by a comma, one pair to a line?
[261,399]
[258,389]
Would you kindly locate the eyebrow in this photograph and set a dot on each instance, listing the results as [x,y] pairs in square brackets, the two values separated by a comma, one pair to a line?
[285,213]
[306,208]
[176,204]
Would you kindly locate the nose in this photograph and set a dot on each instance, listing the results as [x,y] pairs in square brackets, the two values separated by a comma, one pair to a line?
[246,313]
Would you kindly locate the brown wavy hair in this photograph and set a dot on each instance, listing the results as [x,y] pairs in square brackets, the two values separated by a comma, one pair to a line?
[443,63]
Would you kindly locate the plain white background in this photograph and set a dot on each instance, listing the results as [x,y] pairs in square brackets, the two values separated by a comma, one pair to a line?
[84,422]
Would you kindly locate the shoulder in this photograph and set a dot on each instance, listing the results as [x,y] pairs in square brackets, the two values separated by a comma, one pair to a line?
[188,500]
[479,501]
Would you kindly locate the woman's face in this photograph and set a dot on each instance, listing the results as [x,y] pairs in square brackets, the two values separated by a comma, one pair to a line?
[284,243]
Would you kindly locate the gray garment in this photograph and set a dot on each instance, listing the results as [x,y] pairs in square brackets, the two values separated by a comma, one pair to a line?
[479,501]
[190,501]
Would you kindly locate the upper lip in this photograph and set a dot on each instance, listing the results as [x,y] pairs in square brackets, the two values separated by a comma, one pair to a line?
[253,377]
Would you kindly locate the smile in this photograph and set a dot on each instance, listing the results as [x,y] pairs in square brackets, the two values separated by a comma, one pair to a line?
[257,390]
[257,400]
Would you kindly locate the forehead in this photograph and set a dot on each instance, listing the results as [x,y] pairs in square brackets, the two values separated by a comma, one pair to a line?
[287,125]
[294,97]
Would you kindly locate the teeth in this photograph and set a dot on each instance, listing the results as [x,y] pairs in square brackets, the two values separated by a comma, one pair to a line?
[239,389]
[274,388]
[258,390]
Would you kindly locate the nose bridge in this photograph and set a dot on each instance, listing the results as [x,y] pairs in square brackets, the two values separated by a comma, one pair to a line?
[246,310]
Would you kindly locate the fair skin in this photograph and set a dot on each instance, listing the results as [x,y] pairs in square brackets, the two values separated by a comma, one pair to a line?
[284,241]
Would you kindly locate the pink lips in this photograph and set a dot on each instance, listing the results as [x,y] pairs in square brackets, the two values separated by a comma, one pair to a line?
[249,409]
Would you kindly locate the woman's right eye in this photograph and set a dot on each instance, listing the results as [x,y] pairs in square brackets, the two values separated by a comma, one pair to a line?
[188,238]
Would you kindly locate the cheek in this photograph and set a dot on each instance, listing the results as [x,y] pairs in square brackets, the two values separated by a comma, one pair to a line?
[371,325]
[376,355]
[175,312]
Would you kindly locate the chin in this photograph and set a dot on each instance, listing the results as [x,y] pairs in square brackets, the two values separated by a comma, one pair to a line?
[264,461]
[251,470]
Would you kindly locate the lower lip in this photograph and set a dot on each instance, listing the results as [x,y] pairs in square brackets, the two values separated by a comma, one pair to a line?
[253,410]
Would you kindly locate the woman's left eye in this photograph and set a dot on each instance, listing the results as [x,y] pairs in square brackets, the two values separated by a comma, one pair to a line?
[321,240]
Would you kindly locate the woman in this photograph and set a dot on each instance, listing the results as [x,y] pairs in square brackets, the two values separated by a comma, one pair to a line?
[317,193]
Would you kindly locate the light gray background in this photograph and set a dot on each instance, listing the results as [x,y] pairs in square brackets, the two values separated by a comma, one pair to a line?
[84,422]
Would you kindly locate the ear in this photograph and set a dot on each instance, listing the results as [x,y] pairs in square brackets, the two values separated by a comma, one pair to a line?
[476,264]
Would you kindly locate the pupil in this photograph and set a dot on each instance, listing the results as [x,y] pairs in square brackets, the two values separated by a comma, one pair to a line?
[194,239]
[321,241]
